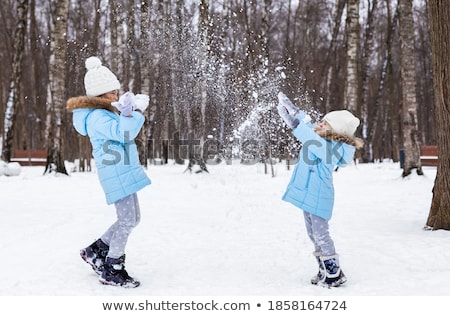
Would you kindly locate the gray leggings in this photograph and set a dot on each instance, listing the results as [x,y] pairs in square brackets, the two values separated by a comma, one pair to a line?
[317,229]
[128,217]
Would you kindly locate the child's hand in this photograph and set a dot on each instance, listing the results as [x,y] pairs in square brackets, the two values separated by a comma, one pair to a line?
[284,101]
[289,119]
[141,102]
[125,104]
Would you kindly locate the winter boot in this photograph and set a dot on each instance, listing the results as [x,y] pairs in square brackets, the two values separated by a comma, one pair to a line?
[114,273]
[333,275]
[95,255]
[321,274]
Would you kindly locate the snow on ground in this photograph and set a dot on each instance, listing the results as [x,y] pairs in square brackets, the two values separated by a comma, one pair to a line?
[226,233]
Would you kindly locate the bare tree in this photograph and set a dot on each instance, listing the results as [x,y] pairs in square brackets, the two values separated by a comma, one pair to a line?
[144,62]
[204,40]
[133,74]
[352,41]
[37,110]
[391,116]
[161,78]
[177,94]
[16,78]
[157,101]
[439,13]
[377,132]
[327,71]
[96,30]
[408,79]
[118,39]
[368,51]
[56,98]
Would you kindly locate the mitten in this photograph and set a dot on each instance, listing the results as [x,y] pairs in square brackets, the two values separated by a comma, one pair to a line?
[284,100]
[289,119]
[125,104]
[141,102]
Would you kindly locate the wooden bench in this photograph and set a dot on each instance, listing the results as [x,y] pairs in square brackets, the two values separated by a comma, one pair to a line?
[429,155]
[30,157]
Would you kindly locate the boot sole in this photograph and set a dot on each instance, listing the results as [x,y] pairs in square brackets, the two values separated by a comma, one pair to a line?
[126,285]
[336,283]
[93,266]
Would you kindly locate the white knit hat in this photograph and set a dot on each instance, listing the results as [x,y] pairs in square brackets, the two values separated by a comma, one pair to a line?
[342,122]
[99,79]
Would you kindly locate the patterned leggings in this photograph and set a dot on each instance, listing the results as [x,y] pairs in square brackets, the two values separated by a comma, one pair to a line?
[317,229]
[128,217]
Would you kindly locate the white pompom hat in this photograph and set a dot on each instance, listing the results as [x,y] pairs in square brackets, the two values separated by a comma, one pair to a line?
[342,122]
[99,79]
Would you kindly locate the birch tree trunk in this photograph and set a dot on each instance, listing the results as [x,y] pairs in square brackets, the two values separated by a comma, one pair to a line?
[327,71]
[250,56]
[177,91]
[439,15]
[118,46]
[392,116]
[264,48]
[56,90]
[145,47]
[159,91]
[130,57]
[114,22]
[408,80]
[36,140]
[367,154]
[352,40]
[165,79]
[204,49]
[16,78]
[84,144]
[288,29]
[377,133]
[96,30]
[144,62]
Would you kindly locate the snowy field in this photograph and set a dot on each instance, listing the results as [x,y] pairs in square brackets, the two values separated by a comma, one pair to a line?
[226,233]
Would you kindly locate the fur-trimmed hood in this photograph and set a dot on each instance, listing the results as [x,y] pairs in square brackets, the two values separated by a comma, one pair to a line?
[84,102]
[82,108]
[356,142]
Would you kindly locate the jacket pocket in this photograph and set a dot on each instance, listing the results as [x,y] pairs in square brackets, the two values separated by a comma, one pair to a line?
[308,177]
[302,178]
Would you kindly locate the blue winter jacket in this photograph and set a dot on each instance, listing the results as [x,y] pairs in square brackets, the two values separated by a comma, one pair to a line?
[311,184]
[113,147]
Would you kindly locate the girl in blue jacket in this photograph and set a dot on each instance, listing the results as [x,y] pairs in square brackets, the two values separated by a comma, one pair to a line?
[116,158]
[325,146]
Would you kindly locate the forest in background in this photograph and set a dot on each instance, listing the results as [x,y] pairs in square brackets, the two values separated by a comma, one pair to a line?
[213,69]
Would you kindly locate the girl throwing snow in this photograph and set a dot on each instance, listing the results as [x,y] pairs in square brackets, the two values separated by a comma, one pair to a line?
[324,146]
[116,158]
